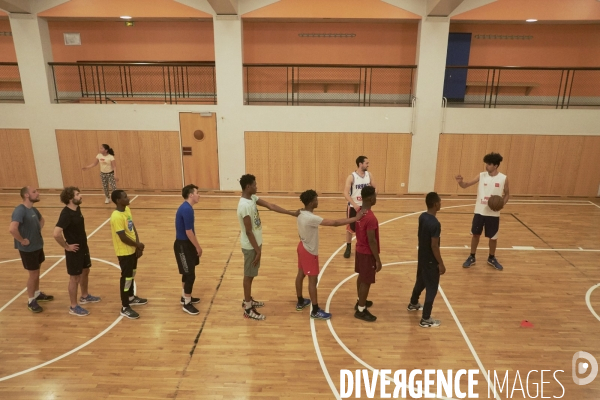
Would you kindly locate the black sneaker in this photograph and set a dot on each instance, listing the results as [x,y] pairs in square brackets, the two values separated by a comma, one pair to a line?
[368,304]
[190,309]
[347,252]
[44,297]
[414,307]
[430,323]
[365,316]
[251,313]
[129,313]
[195,300]
[138,301]
[34,307]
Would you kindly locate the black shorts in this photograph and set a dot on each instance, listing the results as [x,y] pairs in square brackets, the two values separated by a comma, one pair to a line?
[351,213]
[491,224]
[186,256]
[77,261]
[128,264]
[32,259]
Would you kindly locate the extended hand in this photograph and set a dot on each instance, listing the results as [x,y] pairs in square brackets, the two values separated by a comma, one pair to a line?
[459,178]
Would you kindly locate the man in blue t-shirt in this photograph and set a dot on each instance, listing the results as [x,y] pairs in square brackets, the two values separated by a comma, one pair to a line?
[430,264]
[186,247]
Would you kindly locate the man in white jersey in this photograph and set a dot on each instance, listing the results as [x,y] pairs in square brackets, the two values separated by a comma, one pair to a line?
[491,183]
[354,184]
[308,251]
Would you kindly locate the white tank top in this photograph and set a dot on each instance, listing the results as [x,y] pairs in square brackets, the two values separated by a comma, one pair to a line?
[357,184]
[488,186]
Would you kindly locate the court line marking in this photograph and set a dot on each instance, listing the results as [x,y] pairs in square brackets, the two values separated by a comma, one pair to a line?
[56,263]
[588,295]
[520,248]
[594,204]
[76,349]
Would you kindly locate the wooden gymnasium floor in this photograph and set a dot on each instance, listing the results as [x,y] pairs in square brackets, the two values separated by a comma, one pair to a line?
[550,250]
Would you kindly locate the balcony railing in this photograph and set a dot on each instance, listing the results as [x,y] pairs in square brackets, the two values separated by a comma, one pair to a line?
[135,82]
[556,87]
[354,85]
[10,83]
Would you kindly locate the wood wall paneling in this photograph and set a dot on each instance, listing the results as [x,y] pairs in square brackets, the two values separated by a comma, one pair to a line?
[280,161]
[5,173]
[448,164]
[303,159]
[518,170]
[542,165]
[257,155]
[566,166]
[129,161]
[23,168]
[351,146]
[471,161]
[588,176]
[87,141]
[375,148]
[202,167]
[397,163]
[151,159]
[328,163]
[69,155]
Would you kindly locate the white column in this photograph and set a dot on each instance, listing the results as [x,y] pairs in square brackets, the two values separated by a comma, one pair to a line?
[32,45]
[431,60]
[230,99]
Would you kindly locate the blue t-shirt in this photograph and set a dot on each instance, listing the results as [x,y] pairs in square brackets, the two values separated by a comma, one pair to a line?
[184,220]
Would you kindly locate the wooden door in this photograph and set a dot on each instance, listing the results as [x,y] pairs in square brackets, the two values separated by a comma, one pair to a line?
[199,146]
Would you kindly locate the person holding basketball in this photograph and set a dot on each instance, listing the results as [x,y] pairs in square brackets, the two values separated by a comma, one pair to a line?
[491,183]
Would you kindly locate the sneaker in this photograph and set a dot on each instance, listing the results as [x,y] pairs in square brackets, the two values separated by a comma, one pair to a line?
[79,311]
[347,252]
[106,200]
[190,309]
[470,261]
[44,297]
[129,313]
[251,313]
[89,299]
[365,316]
[414,307]
[368,304]
[320,314]
[255,304]
[34,307]
[195,300]
[300,306]
[430,323]
[138,301]
[494,263]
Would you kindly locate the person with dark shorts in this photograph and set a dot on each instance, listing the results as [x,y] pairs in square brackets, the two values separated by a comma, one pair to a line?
[128,248]
[26,228]
[186,247]
[367,262]
[430,264]
[308,251]
[70,235]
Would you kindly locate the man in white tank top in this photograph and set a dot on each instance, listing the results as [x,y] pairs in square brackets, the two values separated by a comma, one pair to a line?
[354,184]
[491,182]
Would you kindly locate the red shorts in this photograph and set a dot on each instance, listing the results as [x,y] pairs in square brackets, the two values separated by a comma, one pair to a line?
[364,265]
[308,263]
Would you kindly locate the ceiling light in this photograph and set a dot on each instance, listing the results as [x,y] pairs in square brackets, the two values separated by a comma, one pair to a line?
[527,20]
[125,17]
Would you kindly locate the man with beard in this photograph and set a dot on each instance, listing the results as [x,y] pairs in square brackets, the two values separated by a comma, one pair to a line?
[26,227]
[70,235]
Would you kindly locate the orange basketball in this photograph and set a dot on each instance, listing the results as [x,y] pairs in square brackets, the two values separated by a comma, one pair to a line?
[496,203]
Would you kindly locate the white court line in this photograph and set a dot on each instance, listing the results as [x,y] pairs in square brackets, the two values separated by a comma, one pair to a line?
[520,248]
[56,263]
[594,204]
[588,295]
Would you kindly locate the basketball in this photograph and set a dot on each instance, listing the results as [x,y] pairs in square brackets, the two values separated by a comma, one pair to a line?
[496,203]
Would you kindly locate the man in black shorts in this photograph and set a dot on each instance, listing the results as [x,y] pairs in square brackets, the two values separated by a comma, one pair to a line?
[70,234]
[186,247]
[26,227]
[430,264]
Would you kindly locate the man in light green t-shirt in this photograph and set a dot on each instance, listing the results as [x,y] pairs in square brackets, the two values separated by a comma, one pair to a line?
[251,239]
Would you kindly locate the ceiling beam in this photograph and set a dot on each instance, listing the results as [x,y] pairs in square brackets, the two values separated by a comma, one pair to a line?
[15,6]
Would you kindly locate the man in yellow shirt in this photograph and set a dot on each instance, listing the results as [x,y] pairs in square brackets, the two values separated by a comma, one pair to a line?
[128,249]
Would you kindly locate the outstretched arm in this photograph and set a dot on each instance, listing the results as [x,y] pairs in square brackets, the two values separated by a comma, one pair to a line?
[276,208]
[341,222]
[91,165]
[463,184]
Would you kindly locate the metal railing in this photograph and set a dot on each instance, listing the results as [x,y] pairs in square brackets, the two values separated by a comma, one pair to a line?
[494,86]
[135,82]
[356,85]
[10,83]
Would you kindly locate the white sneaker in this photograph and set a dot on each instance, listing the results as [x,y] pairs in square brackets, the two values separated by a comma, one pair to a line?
[106,200]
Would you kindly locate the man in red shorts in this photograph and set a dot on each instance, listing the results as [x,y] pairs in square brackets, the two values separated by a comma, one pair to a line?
[367,262]
[308,251]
